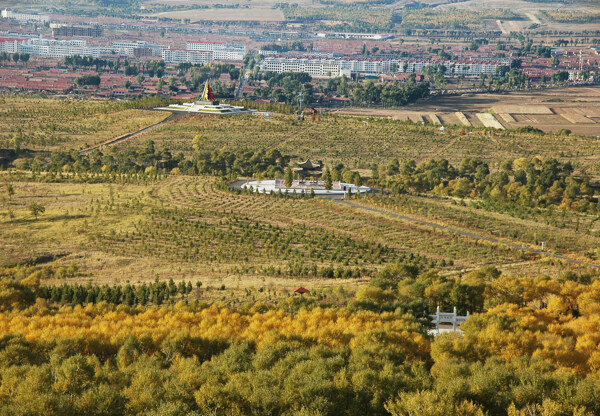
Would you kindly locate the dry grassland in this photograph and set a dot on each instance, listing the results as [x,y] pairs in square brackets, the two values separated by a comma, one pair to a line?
[53,124]
[113,233]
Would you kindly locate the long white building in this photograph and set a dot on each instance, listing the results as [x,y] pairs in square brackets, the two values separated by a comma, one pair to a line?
[131,48]
[317,67]
[53,48]
[25,17]
[221,51]
[467,68]
[333,67]
[349,35]
[323,67]
[177,56]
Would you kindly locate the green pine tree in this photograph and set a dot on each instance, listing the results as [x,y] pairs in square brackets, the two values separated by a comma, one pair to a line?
[289,177]
[327,179]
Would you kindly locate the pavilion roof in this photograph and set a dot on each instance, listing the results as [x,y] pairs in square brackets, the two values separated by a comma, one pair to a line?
[308,164]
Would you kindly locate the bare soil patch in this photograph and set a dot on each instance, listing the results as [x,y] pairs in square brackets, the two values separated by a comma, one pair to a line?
[570,108]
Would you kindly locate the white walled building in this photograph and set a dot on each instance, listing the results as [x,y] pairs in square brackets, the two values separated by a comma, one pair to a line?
[10,45]
[333,67]
[53,48]
[25,17]
[316,67]
[176,56]
[349,35]
[467,68]
[129,48]
[324,67]
[221,51]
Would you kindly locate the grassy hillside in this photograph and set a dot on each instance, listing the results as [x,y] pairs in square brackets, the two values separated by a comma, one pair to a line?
[139,224]
[50,124]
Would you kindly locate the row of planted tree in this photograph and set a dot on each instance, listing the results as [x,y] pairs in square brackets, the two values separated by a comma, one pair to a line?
[527,182]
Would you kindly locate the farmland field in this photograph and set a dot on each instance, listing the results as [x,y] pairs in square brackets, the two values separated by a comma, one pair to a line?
[544,109]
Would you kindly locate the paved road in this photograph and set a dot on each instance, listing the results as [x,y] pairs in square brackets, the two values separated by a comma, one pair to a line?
[120,139]
[466,234]
[240,89]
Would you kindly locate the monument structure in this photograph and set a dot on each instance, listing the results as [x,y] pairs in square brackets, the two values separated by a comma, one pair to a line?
[207,105]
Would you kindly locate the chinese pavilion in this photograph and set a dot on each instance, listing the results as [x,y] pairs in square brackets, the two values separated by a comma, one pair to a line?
[308,169]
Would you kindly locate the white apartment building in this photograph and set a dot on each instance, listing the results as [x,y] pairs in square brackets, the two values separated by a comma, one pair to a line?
[324,67]
[349,35]
[10,45]
[467,68]
[53,48]
[177,56]
[129,47]
[316,67]
[333,67]
[366,66]
[297,54]
[221,51]
[25,17]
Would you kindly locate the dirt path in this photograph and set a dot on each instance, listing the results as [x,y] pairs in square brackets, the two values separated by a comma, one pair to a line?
[128,136]
[502,29]
[467,234]
[532,16]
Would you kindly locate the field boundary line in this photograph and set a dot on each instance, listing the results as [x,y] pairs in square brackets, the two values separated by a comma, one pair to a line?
[128,136]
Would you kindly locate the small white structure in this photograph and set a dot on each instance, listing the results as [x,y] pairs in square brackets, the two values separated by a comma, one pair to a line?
[275,185]
[447,318]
